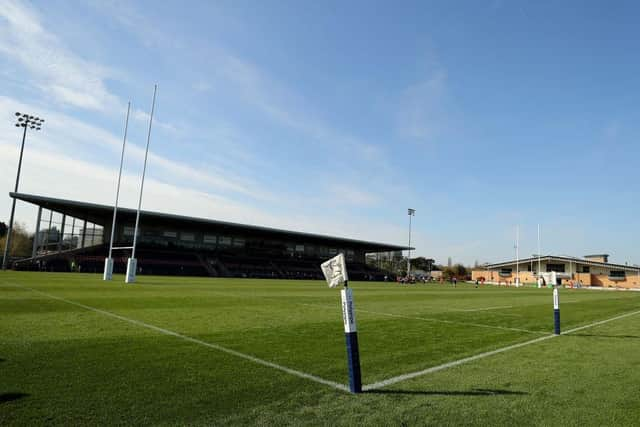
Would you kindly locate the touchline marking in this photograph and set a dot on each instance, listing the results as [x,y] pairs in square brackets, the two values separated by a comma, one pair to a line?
[196,341]
[579,328]
[411,375]
[431,319]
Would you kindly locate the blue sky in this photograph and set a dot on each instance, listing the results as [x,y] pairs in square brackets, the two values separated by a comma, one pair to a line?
[335,117]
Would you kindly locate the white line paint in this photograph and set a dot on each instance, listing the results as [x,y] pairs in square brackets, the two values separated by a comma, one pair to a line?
[411,375]
[622,316]
[262,362]
[486,308]
[431,319]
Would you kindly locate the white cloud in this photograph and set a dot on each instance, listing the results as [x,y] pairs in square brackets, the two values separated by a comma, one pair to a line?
[143,116]
[421,112]
[343,193]
[59,73]
[89,142]
[247,81]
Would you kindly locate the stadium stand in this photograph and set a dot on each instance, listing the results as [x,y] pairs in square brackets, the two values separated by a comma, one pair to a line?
[186,246]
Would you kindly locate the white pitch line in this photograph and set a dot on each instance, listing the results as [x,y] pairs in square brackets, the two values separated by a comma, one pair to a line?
[431,319]
[411,375]
[294,372]
[486,308]
[408,376]
[579,328]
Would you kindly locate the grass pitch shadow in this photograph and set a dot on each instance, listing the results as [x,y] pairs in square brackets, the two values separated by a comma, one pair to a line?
[10,397]
[472,392]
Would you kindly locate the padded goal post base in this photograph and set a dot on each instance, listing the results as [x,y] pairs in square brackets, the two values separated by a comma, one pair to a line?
[108,269]
[132,266]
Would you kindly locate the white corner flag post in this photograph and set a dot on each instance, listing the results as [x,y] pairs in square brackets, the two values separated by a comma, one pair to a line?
[335,272]
[108,262]
[132,263]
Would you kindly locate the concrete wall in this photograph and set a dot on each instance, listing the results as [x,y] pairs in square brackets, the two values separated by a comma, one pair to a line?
[494,276]
[631,281]
[588,279]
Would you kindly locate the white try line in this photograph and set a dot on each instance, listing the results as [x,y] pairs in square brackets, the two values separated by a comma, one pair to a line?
[485,308]
[432,319]
[411,375]
[262,362]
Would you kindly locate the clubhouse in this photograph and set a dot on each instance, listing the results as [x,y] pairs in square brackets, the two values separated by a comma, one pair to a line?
[590,270]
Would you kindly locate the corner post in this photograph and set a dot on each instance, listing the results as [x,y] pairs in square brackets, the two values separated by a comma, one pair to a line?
[556,311]
[351,337]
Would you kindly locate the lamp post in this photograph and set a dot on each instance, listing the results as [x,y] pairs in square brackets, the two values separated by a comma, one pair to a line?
[410,212]
[25,121]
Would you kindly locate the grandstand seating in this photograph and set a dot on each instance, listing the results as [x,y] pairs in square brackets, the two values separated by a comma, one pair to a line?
[194,263]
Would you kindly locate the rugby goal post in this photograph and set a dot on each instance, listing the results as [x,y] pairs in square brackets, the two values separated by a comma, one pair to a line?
[547,279]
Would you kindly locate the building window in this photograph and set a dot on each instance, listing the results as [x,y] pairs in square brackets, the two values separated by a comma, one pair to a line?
[290,250]
[558,268]
[504,272]
[299,248]
[128,231]
[210,239]
[617,275]
[225,241]
[585,268]
[187,237]
[171,234]
[238,242]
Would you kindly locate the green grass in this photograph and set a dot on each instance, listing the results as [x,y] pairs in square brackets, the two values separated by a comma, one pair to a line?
[64,364]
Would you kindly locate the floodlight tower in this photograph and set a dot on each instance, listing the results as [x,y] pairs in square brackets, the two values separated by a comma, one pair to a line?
[25,121]
[410,212]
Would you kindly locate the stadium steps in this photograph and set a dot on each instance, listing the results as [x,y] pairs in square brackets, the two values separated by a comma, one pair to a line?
[207,264]
[52,255]
[277,268]
[220,267]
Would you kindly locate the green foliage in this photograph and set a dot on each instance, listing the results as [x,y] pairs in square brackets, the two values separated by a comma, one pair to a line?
[21,241]
[62,364]
[422,263]
[3,229]
[458,270]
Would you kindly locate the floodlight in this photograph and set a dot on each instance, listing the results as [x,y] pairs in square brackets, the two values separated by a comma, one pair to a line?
[25,121]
